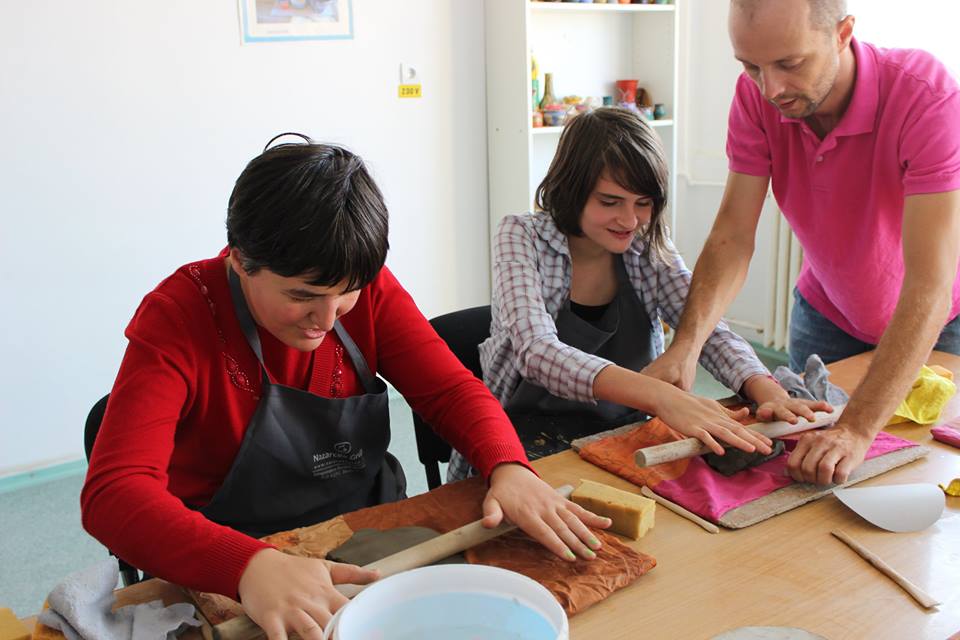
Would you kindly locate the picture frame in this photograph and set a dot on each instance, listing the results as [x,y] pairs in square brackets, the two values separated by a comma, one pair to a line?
[295,20]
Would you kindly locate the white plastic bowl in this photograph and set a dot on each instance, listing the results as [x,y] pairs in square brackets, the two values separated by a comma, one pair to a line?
[446,600]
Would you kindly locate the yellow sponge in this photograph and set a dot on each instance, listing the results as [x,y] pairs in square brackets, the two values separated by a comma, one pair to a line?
[11,628]
[632,514]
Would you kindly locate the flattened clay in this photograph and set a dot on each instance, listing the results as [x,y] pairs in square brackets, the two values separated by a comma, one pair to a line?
[735,460]
[370,545]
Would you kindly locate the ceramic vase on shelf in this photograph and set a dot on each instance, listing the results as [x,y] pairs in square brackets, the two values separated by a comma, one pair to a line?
[548,97]
[626,91]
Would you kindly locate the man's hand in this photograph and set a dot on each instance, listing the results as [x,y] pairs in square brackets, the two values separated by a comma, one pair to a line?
[530,503]
[675,366]
[284,593]
[828,456]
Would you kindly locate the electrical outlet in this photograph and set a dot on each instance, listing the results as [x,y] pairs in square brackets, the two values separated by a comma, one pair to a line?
[408,74]
[409,86]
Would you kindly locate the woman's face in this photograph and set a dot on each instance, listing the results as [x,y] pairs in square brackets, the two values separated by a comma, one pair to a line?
[298,314]
[613,216]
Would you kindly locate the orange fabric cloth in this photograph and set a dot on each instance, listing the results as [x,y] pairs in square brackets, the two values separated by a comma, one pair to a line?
[615,454]
[575,585]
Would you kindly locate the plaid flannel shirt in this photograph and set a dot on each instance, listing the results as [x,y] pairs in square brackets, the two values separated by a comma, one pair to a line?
[531,282]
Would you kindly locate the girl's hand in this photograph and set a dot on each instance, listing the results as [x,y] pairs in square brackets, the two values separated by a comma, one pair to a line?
[707,420]
[773,403]
[560,525]
[789,409]
[284,593]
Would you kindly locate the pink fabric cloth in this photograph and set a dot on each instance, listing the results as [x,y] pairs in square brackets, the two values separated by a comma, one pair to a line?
[710,495]
[844,195]
[947,433]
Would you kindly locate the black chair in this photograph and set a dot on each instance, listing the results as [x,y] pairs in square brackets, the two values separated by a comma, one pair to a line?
[128,573]
[541,434]
[463,331]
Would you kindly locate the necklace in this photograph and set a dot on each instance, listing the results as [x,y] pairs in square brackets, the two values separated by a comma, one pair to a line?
[336,383]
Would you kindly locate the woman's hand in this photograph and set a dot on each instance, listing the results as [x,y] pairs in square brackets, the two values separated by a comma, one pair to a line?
[707,420]
[518,495]
[773,402]
[284,593]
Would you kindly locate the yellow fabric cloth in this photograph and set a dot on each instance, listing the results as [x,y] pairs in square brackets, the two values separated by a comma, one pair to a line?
[952,489]
[931,390]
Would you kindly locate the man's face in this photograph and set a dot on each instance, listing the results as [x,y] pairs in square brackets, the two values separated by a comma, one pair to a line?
[793,64]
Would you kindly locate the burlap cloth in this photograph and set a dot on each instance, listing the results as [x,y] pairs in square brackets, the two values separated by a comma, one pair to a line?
[576,585]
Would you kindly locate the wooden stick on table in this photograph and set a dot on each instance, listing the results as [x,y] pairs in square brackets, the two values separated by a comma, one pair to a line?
[915,592]
[680,511]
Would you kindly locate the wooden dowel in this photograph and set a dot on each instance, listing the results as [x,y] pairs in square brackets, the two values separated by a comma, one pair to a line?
[691,447]
[915,592]
[680,511]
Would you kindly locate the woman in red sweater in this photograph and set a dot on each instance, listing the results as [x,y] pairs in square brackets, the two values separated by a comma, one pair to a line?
[247,401]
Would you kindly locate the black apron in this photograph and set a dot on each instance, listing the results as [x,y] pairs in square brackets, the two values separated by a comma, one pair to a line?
[305,458]
[546,423]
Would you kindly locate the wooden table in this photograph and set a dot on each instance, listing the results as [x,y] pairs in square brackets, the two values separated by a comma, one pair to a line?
[789,570]
[786,571]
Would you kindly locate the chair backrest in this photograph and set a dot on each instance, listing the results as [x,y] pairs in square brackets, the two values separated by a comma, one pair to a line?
[128,573]
[92,426]
[463,331]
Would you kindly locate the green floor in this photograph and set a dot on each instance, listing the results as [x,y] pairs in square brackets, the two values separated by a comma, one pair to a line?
[43,540]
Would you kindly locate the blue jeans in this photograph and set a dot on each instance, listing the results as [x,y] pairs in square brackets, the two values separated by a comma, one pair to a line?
[811,332]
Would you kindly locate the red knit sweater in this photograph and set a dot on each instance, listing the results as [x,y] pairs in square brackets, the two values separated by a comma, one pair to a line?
[188,385]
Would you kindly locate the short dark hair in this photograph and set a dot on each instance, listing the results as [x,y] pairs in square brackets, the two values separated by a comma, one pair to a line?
[312,210]
[621,143]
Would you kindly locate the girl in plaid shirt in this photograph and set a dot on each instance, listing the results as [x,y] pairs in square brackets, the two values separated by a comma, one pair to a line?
[580,290]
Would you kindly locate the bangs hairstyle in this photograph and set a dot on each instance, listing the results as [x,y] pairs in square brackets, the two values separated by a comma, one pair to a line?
[309,210]
[620,143]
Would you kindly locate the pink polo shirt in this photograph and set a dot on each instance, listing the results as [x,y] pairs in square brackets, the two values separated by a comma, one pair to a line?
[844,195]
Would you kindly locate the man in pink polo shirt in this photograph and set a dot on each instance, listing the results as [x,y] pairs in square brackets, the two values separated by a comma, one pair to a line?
[862,145]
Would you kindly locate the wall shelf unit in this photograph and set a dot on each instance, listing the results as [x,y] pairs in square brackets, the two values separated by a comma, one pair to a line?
[546,131]
[587,47]
[608,7]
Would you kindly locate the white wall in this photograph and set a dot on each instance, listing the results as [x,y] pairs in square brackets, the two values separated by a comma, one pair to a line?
[709,72]
[124,125]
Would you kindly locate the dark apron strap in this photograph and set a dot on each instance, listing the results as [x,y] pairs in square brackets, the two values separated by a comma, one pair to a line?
[244,316]
[359,362]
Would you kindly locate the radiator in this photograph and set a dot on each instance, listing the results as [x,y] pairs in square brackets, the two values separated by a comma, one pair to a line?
[786,261]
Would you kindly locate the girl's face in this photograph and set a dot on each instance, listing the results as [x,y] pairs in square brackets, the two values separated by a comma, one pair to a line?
[613,216]
[298,314]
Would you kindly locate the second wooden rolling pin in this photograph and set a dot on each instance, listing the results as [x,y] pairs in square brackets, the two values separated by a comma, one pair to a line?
[433,550]
[691,447]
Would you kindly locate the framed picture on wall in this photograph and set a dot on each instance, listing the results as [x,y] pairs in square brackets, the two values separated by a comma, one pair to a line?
[278,20]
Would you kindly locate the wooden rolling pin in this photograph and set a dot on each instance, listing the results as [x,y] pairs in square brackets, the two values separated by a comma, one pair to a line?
[658,454]
[433,550]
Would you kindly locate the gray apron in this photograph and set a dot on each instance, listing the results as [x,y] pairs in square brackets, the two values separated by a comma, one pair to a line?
[623,335]
[305,458]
